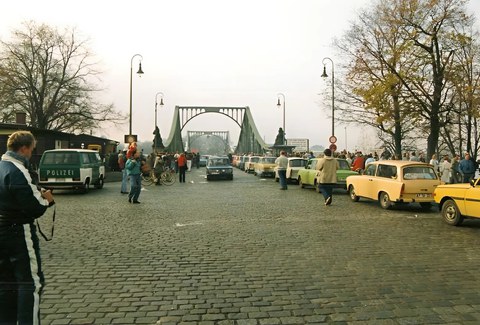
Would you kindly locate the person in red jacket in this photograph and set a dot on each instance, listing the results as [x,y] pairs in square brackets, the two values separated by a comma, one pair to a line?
[358,163]
[182,167]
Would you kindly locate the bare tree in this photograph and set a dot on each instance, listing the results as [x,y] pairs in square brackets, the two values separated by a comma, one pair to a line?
[50,75]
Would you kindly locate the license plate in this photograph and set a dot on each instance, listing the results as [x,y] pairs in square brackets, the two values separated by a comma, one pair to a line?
[424,195]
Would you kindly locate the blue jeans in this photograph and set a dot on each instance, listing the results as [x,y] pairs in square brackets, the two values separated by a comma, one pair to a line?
[326,189]
[124,181]
[135,187]
[282,176]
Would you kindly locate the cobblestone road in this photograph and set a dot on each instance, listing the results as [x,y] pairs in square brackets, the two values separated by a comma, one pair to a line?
[243,252]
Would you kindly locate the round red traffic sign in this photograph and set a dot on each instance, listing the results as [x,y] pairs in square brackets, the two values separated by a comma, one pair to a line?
[333,147]
[332,139]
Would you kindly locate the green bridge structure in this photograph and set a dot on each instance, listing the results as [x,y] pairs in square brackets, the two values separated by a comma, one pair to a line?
[248,141]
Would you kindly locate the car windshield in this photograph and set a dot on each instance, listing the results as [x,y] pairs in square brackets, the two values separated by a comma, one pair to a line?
[419,172]
[343,165]
[218,162]
[269,160]
[297,163]
[64,158]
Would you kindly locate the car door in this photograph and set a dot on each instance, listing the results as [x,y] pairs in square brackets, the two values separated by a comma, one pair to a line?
[312,173]
[366,183]
[472,200]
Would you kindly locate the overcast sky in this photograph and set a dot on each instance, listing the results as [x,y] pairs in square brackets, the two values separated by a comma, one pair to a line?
[211,53]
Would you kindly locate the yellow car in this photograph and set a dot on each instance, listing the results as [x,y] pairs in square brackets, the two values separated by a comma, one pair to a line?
[393,181]
[458,201]
[265,167]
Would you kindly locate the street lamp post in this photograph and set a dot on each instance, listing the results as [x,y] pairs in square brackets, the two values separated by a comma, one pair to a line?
[161,105]
[325,75]
[139,72]
[279,105]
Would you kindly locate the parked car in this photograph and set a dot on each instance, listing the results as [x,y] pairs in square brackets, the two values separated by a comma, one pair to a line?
[250,163]
[458,201]
[392,181]
[265,167]
[71,169]
[241,163]
[219,167]
[203,160]
[294,165]
[308,175]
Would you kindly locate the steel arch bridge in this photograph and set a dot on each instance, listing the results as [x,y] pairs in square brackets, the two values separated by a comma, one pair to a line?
[248,141]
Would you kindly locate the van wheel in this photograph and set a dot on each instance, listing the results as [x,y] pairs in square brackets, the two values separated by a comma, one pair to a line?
[100,183]
[86,187]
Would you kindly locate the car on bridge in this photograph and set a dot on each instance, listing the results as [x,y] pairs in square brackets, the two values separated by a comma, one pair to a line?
[395,182]
[265,167]
[458,201]
[250,163]
[294,165]
[308,175]
[219,168]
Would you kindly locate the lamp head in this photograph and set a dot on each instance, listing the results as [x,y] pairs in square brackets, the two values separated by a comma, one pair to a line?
[324,74]
[140,71]
[278,101]
[161,101]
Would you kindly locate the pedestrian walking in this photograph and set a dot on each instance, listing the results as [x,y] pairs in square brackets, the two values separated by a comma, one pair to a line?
[282,164]
[21,202]
[434,162]
[133,165]
[327,175]
[182,167]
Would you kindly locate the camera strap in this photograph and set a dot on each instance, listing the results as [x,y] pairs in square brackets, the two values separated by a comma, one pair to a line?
[53,226]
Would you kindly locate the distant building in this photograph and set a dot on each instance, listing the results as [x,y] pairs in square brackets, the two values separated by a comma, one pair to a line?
[48,139]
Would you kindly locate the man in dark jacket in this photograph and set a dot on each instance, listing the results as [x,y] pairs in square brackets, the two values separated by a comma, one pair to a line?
[467,168]
[21,202]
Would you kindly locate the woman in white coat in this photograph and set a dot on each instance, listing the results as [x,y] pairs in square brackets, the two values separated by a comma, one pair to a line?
[445,167]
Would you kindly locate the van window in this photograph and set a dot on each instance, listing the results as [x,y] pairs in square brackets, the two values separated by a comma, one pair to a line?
[85,158]
[94,157]
[63,158]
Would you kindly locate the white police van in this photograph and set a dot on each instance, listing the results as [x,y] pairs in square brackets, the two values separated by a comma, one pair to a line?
[71,169]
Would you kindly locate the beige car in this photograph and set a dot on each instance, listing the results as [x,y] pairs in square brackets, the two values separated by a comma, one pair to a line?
[393,181]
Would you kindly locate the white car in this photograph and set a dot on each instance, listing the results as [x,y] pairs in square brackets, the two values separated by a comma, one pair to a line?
[294,165]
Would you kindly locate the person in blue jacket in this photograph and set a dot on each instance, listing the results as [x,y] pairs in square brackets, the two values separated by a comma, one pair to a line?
[133,165]
[467,167]
[21,202]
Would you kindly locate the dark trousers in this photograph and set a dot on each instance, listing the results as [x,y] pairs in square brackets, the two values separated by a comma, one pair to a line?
[21,277]
[326,189]
[282,177]
[181,170]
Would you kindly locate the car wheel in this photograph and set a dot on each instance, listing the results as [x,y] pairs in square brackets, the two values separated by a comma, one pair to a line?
[300,182]
[451,214]
[385,201]
[425,205]
[353,195]
[209,178]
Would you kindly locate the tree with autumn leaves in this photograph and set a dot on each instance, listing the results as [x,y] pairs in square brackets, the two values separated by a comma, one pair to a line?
[412,72]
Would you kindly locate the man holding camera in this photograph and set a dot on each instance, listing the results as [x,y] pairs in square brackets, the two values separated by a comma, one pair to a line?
[21,202]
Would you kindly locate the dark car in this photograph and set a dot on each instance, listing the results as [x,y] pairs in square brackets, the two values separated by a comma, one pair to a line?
[219,168]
